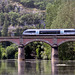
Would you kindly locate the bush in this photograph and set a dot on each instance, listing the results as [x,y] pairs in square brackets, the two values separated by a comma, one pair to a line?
[16,55]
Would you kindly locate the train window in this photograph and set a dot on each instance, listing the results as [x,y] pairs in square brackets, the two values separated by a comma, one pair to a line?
[49,32]
[69,30]
[30,32]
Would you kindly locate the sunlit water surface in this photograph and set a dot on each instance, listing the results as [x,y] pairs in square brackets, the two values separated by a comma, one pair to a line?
[36,67]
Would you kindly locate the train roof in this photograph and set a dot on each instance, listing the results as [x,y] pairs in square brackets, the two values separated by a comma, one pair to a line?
[47,29]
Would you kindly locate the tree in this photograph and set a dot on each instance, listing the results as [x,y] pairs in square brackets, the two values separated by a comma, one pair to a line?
[0,52]
[46,53]
[51,11]
[14,18]
[1,19]
[11,51]
[65,17]
[5,26]
[67,51]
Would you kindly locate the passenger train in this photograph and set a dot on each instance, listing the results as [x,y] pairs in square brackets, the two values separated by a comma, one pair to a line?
[49,32]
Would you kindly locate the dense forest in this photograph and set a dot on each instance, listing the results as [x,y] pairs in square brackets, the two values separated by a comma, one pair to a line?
[61,15]
[18,15]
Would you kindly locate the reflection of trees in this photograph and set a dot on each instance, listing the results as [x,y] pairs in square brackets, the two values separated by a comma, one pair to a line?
[68,69]
[38,67]
[30,67]
[8,68]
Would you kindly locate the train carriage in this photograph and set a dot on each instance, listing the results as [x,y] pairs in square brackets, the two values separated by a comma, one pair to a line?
[49,31]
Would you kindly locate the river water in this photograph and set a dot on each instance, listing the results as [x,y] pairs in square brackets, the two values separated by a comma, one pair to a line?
[36,67]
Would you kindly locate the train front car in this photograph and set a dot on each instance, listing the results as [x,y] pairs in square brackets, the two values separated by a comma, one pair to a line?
[30,32]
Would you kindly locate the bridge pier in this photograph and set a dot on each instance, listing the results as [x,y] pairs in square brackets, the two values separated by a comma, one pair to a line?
[54,59]
[54,55]
[21,52]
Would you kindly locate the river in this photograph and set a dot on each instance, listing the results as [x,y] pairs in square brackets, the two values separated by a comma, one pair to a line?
[36,67]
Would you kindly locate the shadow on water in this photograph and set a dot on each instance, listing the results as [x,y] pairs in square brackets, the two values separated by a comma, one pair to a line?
[36,67]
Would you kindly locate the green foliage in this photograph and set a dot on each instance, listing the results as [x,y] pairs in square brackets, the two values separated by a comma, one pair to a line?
[40,4]
[17,18]
[38,50]
[16,55]
[28,3]
[60,14]
[51,11]
[67,51]
[33,50]
[29,19]
[13,18]
[65,16]
[11,50]
[1,19]
[8,52]
[0,52]
[5,26]
[3,53]
[46,54]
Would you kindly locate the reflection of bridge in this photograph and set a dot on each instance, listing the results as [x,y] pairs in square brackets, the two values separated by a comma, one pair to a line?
[53,41]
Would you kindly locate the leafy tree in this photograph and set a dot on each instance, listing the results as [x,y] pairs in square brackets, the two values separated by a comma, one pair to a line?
[4,55]
[5,26]
[46,53]
[11,51]
[38,50]
[16,55]
[67,51]
[51,11]
[65,16]
[40,5]
[3,7]
[14,18]
[1,19]
[27,19]
[0,52]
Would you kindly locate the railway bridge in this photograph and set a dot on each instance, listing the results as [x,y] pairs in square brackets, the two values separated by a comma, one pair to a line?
[53,40]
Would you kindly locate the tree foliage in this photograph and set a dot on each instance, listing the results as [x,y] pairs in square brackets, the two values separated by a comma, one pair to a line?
[5,26]
[39,50]
[65,16]
[51,11]
[11,51]
[67,51]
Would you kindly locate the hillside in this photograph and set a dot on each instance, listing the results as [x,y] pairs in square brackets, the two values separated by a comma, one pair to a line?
[24,9]
[14,14]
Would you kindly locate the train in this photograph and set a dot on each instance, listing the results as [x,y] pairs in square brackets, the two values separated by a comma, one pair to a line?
[49,32]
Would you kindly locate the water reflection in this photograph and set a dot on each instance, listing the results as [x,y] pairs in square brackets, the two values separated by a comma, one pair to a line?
[66,68]
[54,67]
[8,67]
[36,67]
[21,67]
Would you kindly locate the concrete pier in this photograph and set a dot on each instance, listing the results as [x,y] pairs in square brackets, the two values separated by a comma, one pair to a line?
[21,53]
[54,60]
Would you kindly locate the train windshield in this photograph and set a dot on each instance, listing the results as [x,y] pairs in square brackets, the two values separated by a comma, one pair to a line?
[30,31]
